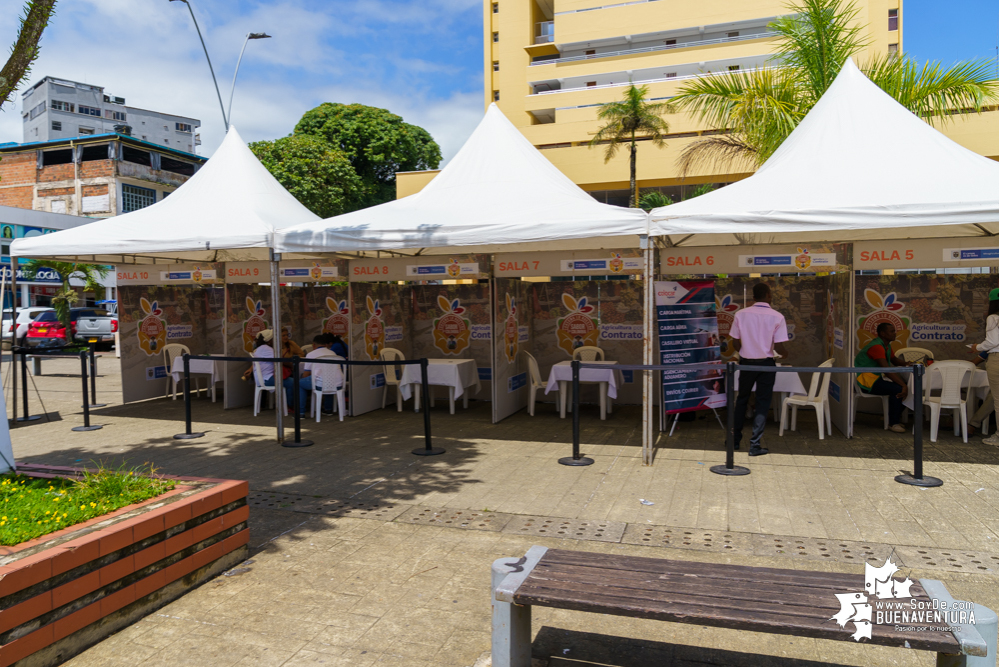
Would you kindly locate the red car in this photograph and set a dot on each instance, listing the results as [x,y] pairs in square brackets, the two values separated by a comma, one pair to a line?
[87,325]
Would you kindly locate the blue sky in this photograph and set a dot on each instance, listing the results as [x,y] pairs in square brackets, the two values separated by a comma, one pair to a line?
[421,60]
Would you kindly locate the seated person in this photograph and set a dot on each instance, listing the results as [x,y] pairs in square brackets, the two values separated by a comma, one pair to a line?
[289,348]
[987,407]
[321,348]
[262,350]
[338,346]
[878,353]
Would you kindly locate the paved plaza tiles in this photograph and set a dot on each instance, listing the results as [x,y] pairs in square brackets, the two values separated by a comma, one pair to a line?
[365,554]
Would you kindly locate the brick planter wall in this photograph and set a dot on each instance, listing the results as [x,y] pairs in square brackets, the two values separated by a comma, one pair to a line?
[65,591]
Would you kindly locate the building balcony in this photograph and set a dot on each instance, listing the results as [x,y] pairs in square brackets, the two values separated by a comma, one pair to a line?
[549,60]
[544,32]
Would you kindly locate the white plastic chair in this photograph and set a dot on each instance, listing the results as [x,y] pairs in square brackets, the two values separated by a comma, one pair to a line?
[328,379]
[393,373]
[952,378]
[307,348]
[170,352]
[858,395]
[259,387]
[914,354]
[534,382]
[818,398]
[588,353]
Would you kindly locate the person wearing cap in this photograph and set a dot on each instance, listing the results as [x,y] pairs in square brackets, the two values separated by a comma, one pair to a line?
[262,349]
[991,345]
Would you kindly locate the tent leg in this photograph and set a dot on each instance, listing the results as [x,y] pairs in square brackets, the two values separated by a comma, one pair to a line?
[276,318]
[647,359]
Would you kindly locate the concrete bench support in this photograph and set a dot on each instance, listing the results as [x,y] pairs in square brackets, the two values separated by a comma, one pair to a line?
[511,645]
[976,640]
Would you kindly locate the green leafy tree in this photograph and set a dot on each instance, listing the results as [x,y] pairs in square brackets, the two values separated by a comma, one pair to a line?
[758,109]
[625,122]
[377,142]
[653,199]
[702,189]
[37,14]
[317,174]
[66,296]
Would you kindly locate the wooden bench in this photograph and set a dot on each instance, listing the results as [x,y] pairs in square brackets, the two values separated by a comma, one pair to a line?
[757,599]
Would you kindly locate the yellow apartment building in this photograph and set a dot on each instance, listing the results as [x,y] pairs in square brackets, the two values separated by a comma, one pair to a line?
[549,65]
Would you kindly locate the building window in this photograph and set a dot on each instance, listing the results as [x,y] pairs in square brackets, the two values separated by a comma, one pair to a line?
[37,111]
[591,52]
[733,34]
[184,127]
[137,156]
[590,84]
[892,19]
[893,48]
[114,115]
[495,65]
[733,68]
[62,106]
[495,96]
[495,37]
[133,198]
[670,42]
[143,137]
[495,8]
[57,125]
[85,130]
[670,75]
[90,111]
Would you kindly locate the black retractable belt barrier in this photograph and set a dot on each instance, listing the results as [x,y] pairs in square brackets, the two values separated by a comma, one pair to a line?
[27,417]
[298,442]
[576,459]
[93,378]
[187,434]
[86,399]
[428,449]
[730,469]
[917,478]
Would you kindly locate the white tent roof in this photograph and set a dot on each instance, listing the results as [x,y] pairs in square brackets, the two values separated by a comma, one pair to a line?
[227,211]
[859,166]
[498,190]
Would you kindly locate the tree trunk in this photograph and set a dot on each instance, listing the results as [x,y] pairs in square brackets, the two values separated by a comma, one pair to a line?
[633,192]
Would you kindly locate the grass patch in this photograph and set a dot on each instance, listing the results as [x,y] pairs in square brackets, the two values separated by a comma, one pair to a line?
[32,507]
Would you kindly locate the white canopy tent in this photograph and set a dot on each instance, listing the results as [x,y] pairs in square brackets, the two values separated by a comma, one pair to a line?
[227,211]
[497,191]
[860,166]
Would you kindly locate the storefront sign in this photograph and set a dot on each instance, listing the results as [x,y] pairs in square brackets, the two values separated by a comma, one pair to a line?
[43,276]
[924,253]
[688,333]
[615,264]
[195,275]
[801,261]
[581,262]
[450,270]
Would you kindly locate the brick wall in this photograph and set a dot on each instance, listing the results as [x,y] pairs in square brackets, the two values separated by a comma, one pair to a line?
[56,192]
[96,169]
[94,190]
[18,168]
[57,172]
[18,197]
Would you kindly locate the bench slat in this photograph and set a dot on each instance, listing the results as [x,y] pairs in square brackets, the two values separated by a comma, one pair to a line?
[716,617]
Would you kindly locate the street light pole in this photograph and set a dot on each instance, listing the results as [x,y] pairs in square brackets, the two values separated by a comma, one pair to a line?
[224,118]
[232,90]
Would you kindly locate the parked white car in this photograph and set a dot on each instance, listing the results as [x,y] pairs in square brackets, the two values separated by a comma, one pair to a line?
[25,316]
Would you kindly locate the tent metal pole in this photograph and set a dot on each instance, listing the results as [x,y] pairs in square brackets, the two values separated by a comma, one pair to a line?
[13,338]
[647,338]
[276,342]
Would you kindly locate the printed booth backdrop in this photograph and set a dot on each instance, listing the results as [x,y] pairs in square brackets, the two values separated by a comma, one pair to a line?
[512,341]
[380,314]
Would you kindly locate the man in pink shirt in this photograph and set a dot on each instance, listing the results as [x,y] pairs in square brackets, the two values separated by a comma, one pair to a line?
[756,332]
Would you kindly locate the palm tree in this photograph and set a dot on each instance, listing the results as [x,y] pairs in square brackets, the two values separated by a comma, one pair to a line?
[758,109]
[627,120]
[91,274]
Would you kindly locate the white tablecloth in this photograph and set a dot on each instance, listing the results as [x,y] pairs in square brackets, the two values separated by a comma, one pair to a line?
[457,373]
[198,366]
[784,383]
[979,381]
[562,372]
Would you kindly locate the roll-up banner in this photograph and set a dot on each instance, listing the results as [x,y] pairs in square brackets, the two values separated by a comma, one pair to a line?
[688,333]
[512,341]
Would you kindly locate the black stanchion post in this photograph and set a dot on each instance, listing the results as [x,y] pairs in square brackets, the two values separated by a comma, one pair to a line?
[295,399]
[27,417]
[93,377]
[428,449]
[86,399]
[576,459]
[187,434]
[917,478]
[730,469]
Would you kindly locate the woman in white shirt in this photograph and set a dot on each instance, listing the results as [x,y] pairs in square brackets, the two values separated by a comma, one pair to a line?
[991,345]
[262,350]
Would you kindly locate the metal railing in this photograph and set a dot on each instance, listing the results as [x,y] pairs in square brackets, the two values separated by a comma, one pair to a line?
[87,359]
[639,82]
[658,47]
[729,468]
[427,450]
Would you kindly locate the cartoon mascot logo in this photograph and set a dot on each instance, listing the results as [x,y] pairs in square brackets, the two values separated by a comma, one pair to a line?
[803,259]
[152,328]
[451,331]
[374,330]
[511,332]
[197,275]
[577,328]
[616,263]
[725,309]
[338,323]
[253,324]
[885,308]
[454,269]
[316,271]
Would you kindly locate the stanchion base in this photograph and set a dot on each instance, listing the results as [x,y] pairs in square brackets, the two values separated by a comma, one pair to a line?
[188,436]
[913,481]
[300,443]
[87,428]
[433,451]
[734,471]
[29,418]
[94,405]
[581,461]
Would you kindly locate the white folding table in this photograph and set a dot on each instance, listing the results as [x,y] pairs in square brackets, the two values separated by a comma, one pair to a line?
[200,367]
[455,374]
[608,379]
